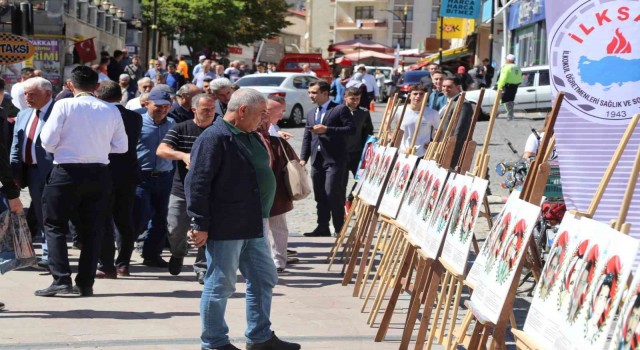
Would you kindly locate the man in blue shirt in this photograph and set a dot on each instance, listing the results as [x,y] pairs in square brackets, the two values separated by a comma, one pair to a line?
[153,190]
[174,79]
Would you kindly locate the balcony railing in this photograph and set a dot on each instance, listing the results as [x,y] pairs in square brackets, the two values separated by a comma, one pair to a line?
[351,24]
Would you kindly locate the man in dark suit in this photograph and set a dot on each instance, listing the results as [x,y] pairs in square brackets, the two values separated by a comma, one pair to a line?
[452,88]
[30,163]
[124,176]
[324,144]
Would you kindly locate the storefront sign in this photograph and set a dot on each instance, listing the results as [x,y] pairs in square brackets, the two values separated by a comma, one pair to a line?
[45,57]
[455,28]
[14,49]
[525,12]
[594,54]
[460,8]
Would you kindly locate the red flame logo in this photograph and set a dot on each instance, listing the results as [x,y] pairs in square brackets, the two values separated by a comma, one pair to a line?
[618,44]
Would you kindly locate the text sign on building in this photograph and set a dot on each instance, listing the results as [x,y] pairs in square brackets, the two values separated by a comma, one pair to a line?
[460,8]
[235,50]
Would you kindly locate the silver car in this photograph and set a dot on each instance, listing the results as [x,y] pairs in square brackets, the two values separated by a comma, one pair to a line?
[533,94]
[292,86]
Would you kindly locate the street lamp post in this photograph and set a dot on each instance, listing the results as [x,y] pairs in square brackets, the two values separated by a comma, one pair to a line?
[402,20]
[154,28]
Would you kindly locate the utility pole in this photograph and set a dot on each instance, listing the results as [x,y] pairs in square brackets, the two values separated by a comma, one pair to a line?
[493,14]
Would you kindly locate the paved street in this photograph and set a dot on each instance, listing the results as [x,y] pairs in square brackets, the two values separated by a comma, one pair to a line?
[154,310]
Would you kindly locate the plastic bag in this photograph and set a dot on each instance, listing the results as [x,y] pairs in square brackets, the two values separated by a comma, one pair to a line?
[16,251]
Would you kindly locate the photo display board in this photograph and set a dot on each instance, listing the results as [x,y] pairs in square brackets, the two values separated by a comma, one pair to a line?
[397,185]
[460,232]
[425,209]
[581,285]
[379,174]
[506,249]
[420,184]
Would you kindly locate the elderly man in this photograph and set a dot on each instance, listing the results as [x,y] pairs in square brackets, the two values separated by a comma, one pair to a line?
[181,109]
[198,66]
[232,72]
[30,163]
[156,70]
[230,189]
[205,72]
[223,89]
[144,85]
[176,145]
[152,192]
[324,144]
[79,183]
[124,175]
[125,89]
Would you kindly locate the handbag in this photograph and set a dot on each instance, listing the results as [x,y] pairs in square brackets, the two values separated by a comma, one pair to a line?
[16,251]
[296,178]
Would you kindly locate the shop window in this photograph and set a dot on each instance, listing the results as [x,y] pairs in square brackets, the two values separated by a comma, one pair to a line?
[363,36]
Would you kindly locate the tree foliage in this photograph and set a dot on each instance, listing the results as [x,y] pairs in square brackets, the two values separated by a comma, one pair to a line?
[216,24]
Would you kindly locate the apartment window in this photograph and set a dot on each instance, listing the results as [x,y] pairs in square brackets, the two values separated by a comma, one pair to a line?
[363,36]
[399,10]
[435,14]
[364,12]
[397,40]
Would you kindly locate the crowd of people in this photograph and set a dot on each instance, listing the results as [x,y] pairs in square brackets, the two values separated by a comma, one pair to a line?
[171,158]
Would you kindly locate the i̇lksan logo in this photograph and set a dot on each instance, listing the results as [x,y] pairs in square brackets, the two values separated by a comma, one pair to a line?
[595,59]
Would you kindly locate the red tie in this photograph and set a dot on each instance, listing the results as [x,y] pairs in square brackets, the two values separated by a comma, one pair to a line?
[32,133]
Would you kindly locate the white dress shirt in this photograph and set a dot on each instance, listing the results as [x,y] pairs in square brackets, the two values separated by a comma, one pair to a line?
[273,130]
[17,96]
[27,129]
[372,86]
[133,104]
[83,129]
[429,123]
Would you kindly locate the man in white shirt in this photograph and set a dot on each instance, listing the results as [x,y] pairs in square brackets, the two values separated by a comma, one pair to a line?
[144,85]
[198,66]
[80,133]
[370,82]
[307,70]
[428,124]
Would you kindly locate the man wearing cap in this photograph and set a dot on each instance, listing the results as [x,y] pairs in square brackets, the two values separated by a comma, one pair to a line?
[198,66]
[152,192]
[509,80]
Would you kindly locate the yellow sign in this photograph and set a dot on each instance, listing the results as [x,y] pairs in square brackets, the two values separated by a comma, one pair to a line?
[455,28]
[14,49]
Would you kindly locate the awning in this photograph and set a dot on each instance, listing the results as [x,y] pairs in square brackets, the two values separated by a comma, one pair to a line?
[447,55]
[365,57]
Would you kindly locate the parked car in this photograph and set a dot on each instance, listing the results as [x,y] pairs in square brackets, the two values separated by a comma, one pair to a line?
[533,94]
[293,62]
[291,86]
[409,78]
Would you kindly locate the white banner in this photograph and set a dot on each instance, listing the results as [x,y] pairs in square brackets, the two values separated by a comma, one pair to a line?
[594,54]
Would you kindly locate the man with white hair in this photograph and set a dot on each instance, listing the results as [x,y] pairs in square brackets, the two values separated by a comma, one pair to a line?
[230,189]
[232,72]
[307,70]
[198,66]
[30,163]
[125,87]
[509,80]
[223,89]
[144,85]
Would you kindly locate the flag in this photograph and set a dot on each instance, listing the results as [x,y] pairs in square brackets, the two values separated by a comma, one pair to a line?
[86,50]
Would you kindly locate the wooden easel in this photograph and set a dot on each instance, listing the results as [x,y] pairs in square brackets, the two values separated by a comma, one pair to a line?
[523,340]
[358,205]
[535,179]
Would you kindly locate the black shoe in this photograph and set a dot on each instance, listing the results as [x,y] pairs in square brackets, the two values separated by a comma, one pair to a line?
[318,233]
[175,265]
[200,277]
[83,291]
[157,262]
[43,264]
[292,260]
[1,306]
[274,344]
[76,245]
[224,347]
[292,252]
[52,290]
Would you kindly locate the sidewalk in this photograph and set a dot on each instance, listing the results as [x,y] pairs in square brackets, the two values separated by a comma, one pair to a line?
[154,310]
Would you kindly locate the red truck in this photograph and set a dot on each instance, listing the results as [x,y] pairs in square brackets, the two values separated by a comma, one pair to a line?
[293,62]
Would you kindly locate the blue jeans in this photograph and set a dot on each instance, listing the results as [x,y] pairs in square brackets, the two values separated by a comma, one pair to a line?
[253,258]
[150,212]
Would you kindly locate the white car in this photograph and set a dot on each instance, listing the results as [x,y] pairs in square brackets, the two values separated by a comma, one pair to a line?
[292,86]
[533,94]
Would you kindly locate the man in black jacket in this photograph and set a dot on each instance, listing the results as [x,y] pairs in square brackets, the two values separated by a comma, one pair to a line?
[230,188]
[324,143]
[355,143]
[124,175]
[452,89]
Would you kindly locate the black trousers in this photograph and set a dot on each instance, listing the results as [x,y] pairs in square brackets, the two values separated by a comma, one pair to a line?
[329,192]
[353,160]
[83,190]
[120,216]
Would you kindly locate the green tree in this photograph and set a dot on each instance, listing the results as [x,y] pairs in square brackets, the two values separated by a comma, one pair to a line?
[216,24]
